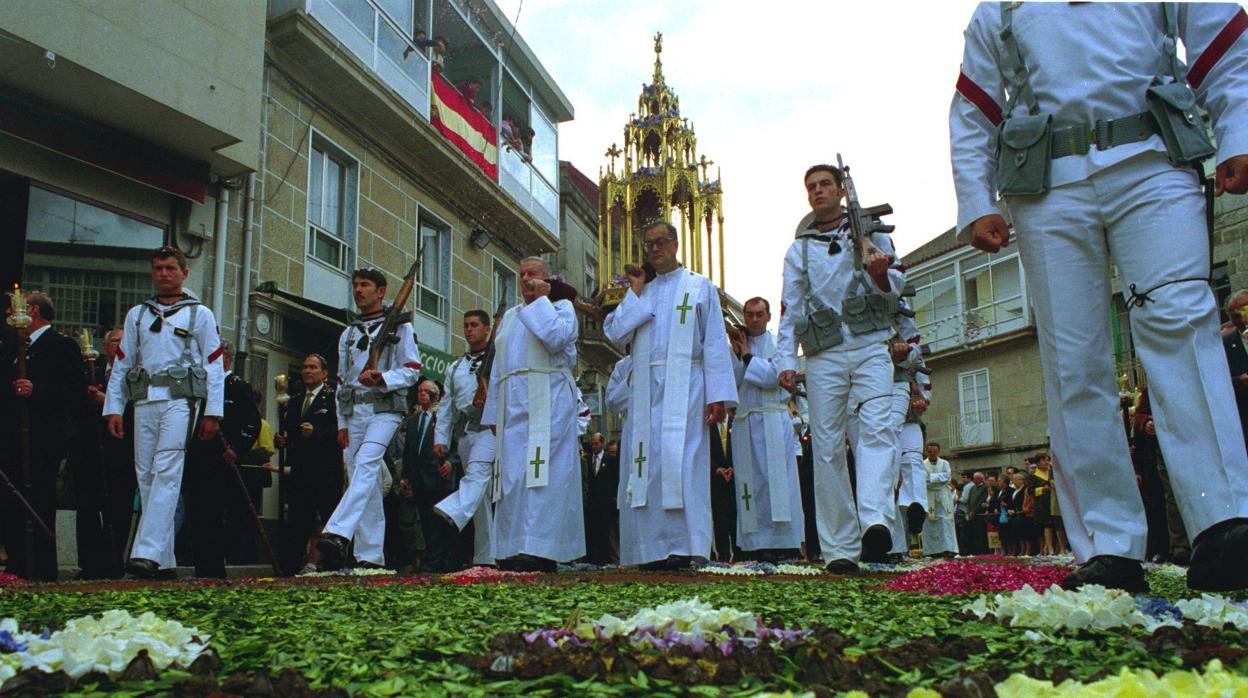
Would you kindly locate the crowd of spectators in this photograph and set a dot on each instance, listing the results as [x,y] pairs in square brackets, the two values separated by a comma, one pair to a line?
[1010,512]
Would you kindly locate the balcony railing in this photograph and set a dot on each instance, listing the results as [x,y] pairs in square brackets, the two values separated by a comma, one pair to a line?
[1024,425]
[972,327]
[528,188]
[373,37]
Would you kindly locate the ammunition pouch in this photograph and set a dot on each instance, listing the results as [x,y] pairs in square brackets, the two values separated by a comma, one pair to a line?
[819,330]
[1173,108]
[136,383]
[187,382]
[867,313]
[346,401]
[394,401]
[1023,155]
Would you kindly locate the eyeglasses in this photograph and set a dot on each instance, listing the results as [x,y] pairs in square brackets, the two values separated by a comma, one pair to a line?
[656,244]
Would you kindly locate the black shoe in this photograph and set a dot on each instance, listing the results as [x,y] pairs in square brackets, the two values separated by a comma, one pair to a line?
[1182,558]
[876,543]
[527,563]
[841,566]
[142,568]
[1109,571]
[916,516]
[333,550]
[168,575]
[1220,558]
[366,565]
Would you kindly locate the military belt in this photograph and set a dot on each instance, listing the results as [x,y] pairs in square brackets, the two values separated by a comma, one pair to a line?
[1105,134]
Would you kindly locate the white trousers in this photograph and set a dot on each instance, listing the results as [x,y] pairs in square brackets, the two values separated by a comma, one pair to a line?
[913,474]
[838,384]
[470,501]
[160,432]
[1149,217]
[360,515]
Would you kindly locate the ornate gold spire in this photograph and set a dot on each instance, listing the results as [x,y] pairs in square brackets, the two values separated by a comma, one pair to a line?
[657,78]
[662,178]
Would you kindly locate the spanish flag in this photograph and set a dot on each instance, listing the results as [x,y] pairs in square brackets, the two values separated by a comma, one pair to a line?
[464,126]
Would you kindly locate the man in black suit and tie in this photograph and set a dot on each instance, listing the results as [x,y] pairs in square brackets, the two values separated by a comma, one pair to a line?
[309,431]
[52,391]
[602,518]
[723,492]
[429,480]
[208,482]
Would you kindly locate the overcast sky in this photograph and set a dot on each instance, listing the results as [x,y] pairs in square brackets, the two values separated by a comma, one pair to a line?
[771,88]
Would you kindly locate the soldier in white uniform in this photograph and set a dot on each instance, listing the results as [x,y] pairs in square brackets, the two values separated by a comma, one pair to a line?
[1099,134]
[764,448]
[846,371]
[911,395]
[169,364]
[371,404]
[458,414]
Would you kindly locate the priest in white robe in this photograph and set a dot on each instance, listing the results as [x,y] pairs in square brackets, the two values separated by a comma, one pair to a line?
[532,405]
[770,523]
[681,378]
[939,533]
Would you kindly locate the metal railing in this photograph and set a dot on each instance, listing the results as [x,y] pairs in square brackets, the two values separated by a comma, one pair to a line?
[1025,425]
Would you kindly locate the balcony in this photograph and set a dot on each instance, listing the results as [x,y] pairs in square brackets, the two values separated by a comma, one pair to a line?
[520,179]
[988,430]
[971,328]
[350,55]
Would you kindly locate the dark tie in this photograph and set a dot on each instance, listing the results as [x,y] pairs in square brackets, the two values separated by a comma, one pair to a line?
[307,403]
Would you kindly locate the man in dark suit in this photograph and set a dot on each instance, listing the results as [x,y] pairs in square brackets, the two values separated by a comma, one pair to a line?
[429,480]
[309,432]
[97,456]
[602,473]
[208,480]
[723,493]
[52,392]
[977,517]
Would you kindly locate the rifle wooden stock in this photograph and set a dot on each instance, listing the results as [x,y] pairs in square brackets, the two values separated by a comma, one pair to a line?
[390,326]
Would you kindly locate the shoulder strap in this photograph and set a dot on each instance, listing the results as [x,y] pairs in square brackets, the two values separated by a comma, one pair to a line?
[1178,71]
[188,358]
[138,336]
[1012,64]
[814,303]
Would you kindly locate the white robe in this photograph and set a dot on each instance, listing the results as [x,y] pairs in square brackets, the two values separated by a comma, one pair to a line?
[651,533]
[543,521]
[758,387]
[939,533]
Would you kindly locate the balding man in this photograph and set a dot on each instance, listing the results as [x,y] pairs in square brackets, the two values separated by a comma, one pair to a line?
[532,405]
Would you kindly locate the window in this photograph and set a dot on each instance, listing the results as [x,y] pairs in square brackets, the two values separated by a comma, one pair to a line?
[330,196]
[591,274]
[504,287]
[975,408]
[969,300]
[433,278]
[92,260]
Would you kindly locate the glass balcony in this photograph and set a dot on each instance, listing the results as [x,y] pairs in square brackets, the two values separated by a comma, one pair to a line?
[380,43]
[520,179]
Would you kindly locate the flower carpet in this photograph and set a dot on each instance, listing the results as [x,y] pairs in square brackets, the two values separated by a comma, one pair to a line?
[964,627]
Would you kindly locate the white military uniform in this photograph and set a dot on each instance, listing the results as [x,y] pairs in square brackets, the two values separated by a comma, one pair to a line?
[532,402]
[156,339]
[764,464]
[909,377]
[855,376]
[1090,62]
[371,416]
[675,332]
[475,445]
[939,532]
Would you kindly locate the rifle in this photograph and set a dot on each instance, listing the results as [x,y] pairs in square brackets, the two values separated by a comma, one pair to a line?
[487,362]
[395,316]
[863,222]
